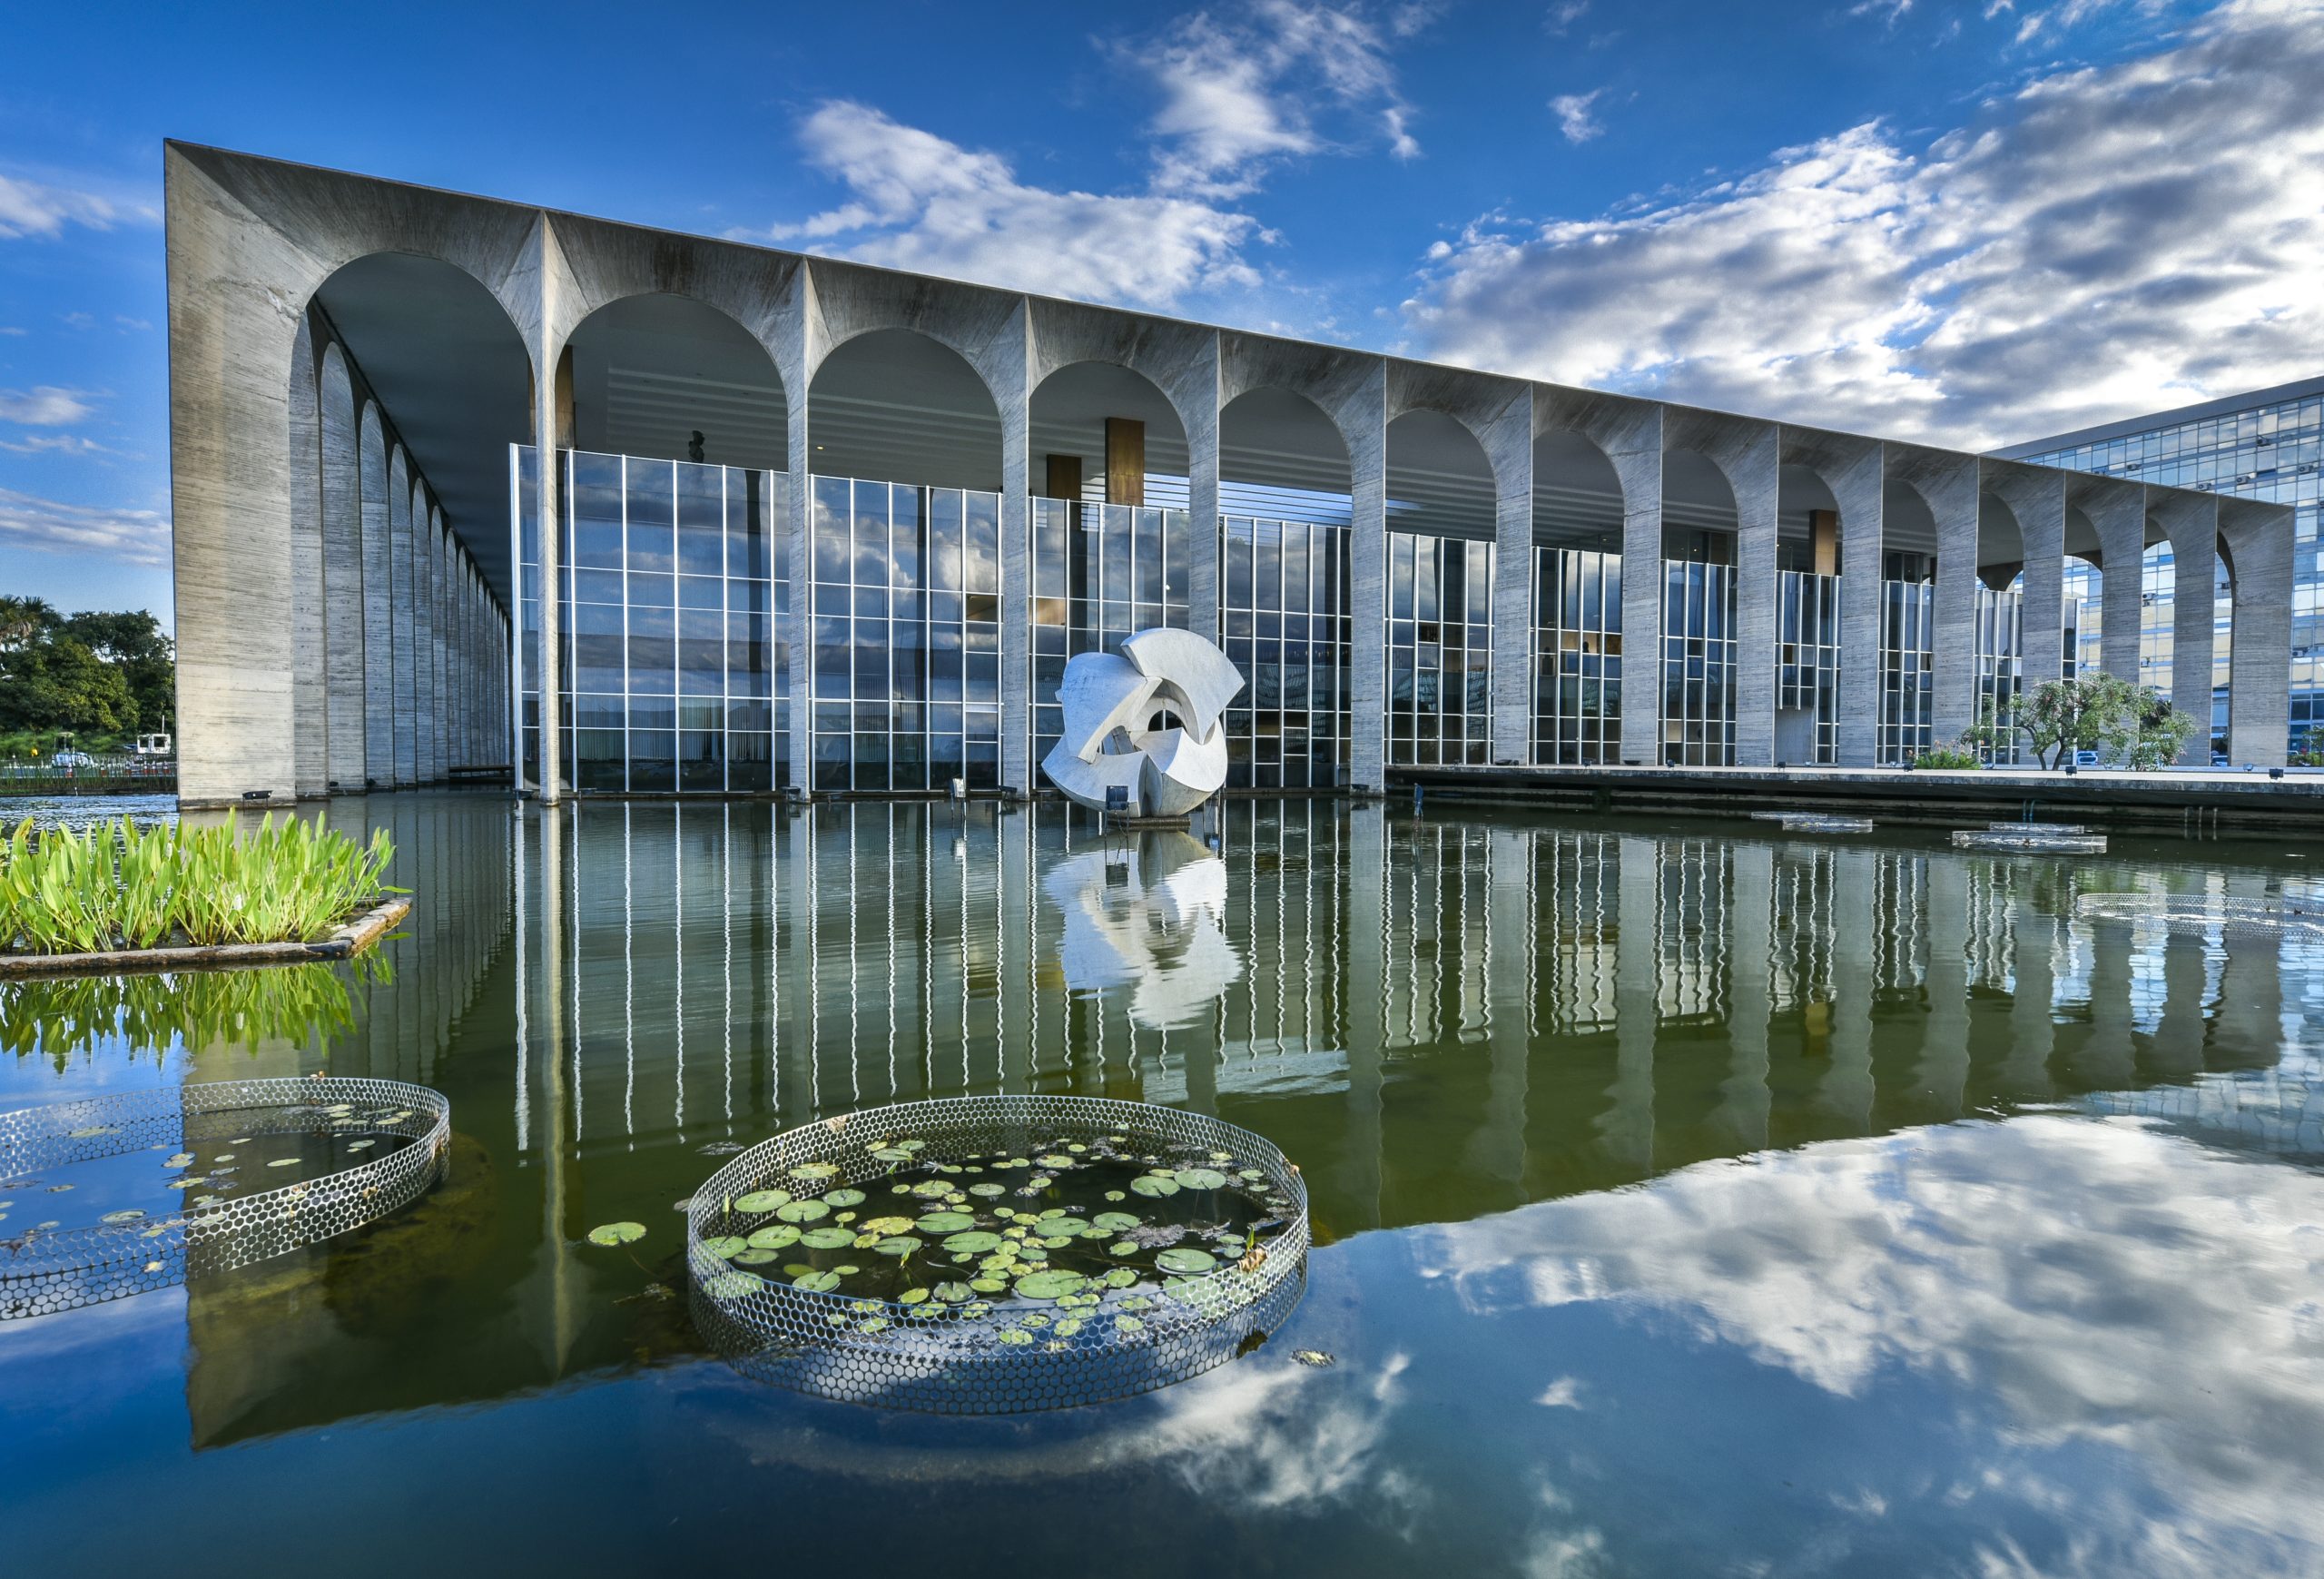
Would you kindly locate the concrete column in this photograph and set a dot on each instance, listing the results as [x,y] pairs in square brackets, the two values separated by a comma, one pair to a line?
[1364,426]
[1854,474]
[2040,505]
[342,501]
[1752,461]
[2117,513]
[378,606]
[1942,1077]
[311,710]
[423,642]
[545,342]
[2033,938]
[2191,523]
[2258,542]
[399,620]
[797,348]
[1948,485]
[1010,378]
[1196,395]
[441,721]
[1509,447]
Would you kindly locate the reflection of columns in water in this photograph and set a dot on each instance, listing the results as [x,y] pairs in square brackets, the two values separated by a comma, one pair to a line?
[1498,1150]
[1847,1088]
[2249,1031]
[797,1030]
[2033,1028]
[1942,1078]
[2176,1049]
[1367,1035]
[1017,959]
[556,1268]
[2104,1060]
[1743,1098]
[1627,1126]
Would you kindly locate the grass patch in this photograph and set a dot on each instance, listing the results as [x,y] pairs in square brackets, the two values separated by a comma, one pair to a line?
[113,885]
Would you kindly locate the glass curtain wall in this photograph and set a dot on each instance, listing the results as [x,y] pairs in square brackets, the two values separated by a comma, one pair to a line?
[1100,573]
[675,589]
[1440,651]
[1285,606]
[1697,664]
[2001,670]
[1577,656]
[1908,669]
[907,637]
[1807,655]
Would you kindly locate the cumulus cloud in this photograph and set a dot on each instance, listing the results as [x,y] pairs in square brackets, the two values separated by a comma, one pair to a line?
[1238,95]
[2097,243]
[123,536]
[54,444]
[45,407]
[1575,119]
[29,208]
[924,203]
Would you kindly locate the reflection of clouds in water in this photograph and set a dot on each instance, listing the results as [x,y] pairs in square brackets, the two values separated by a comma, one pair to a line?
[1148,913]
[2105,1284]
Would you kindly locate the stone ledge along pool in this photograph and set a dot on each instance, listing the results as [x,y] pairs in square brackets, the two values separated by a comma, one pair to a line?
[1685,1197]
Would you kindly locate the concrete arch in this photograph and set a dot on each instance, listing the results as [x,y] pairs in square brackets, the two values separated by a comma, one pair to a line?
[1179,361]
[1746,456]
[1065,413]
[2190,523]
[963,437]
[1440,478]
[397,770]
[1847,473]
[310,704]
[724,380]
[1272,436]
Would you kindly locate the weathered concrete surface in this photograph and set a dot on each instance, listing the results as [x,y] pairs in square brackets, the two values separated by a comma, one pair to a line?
[1852,468]
[2190,523]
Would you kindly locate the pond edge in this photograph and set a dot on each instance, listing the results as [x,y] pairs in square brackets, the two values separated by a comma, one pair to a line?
[347,940]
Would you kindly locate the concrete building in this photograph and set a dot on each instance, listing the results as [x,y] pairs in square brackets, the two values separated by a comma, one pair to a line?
[2267,445]
[817,526]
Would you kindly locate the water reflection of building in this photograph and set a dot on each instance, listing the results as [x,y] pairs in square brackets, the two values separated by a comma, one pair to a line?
[1436,1019]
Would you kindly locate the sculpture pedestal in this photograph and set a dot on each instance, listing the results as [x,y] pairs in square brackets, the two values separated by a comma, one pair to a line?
[1123,820]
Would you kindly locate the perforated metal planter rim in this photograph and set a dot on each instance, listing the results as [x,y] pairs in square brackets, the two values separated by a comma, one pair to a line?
[41,1273]
[928,1356]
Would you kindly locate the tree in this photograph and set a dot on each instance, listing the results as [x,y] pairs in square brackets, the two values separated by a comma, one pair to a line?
[93,673]
[59,684]
[2158,732]
[133,641]
[2096,711]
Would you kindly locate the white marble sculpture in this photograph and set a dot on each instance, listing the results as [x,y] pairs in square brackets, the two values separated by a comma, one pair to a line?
[1112,705]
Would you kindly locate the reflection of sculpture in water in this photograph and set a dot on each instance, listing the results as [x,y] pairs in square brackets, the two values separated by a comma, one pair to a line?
[1148,913]
[1145,724]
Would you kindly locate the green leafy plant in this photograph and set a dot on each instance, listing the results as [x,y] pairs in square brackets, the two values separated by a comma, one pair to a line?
[1946,756]
[115,885]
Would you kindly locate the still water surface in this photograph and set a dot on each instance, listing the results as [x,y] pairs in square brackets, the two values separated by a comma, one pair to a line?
[1687,1200]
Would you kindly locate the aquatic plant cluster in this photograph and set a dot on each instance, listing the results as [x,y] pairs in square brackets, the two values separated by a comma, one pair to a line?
[114,885]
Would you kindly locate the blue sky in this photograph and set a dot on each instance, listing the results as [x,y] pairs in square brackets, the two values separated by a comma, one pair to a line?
[1969,222]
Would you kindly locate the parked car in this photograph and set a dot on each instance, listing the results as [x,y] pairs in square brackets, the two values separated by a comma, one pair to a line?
[2085,759]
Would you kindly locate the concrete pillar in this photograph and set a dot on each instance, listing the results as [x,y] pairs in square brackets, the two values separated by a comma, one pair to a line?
[1847,1089]
[310,707]
[796,350]
[2038,499]
[1752,462]
[545,340]
[1508,437]
[423,646]
[2117,513]
[342,501]
[2258,542]
[1364,427]
[1852,470]
[1948,485]
[1196,395]
[1009,373]
[399,619]
[2191,524]
[1367,1029]
[378,605]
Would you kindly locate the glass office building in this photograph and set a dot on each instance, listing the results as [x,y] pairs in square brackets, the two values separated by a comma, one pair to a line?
[2268,445]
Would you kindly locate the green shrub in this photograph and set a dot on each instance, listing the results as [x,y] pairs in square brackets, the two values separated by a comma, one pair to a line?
[115,885]
[1946,756]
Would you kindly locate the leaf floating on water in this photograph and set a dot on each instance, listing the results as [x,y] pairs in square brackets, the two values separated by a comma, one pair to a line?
[774,1236]
[988,1286]
[1114,1195]
[912,1296]
[725,1247]
[826,1238]
[1313,1357]
[1049,1285]
[1185,1259]
[126,1215]
[1128,1324]
[731,1284]
[1114,1222]
[987,1190]
[284,1162]
[1154,1185]
[360,1145]
[1012,1336]
[760,1200]
[975,1242]
[617,1233]
[814,1170]
[843,1197]
[1200,1178]
[802,1211]
[179,1160]
[953,1293]
[753,1257]
[816,1282]
[946,1222]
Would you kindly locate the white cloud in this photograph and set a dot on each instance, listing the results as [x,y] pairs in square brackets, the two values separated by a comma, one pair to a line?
[1238,95]
[2101,241]
[1564,14]
[1891,11]
[45,407]
[1574,117]
[924,203]
[55,444]
[125,536]
[29,208]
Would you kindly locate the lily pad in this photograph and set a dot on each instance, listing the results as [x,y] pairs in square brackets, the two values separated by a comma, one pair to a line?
[826,1238]
[617,1233]
[1185,1259]
[1201,1179]
[987,1190]
[127,1215]
[732,1285]
[1011,1336]
[953,1293]
[901,1245]
[816,1282]
[843,1197]
[1049,1285]
[988,1286]
[774,1236]
[1153,1185]
[891,1154]
[1114,1222]
[1120,1277]
[802,1212]
[912,1296]
[946,1222]
[179,1160]
[760,1200]
[975,1242]
[725,1247]
[1059,1227]
[1128,1324]
[931,1188]
[752,1258]
[815,1170]
[1124,1247]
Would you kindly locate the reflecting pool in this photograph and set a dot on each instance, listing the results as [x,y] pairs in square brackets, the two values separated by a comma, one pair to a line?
[1688,1200]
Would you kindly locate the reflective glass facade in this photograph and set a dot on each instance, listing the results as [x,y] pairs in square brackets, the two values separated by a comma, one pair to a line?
[2001,668]
[1908,669]
[1697,664]
[1440,651]
[2271,450]
[1577,656]
[1808,666]
[906,624]
[675,583]
[1285,606]
[1100,573]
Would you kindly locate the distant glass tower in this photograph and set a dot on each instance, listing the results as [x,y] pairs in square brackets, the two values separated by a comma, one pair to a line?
[2265,445]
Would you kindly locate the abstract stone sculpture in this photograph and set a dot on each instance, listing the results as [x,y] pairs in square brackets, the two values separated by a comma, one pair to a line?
[1116,736]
